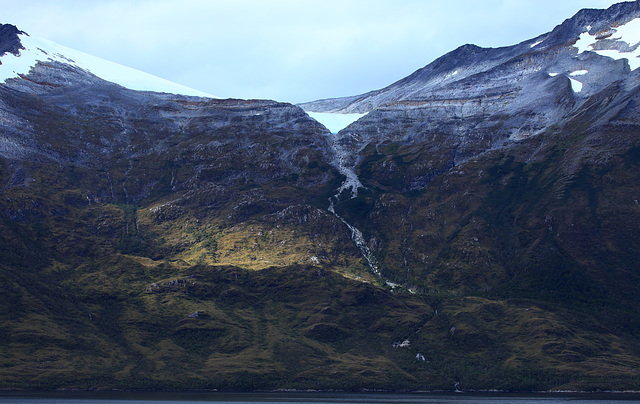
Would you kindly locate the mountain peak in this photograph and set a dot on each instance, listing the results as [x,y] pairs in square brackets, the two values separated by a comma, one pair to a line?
[9,40]
[595,20]
[476,74]
[20,53]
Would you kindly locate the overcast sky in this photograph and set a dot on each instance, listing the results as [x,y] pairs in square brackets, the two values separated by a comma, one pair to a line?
[287,50]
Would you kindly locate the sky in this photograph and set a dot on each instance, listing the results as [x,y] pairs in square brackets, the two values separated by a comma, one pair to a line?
[286,50]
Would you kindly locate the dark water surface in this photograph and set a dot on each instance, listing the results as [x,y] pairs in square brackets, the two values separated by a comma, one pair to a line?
[309,398]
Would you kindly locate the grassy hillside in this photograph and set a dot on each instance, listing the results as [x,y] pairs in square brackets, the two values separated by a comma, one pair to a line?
[177,249]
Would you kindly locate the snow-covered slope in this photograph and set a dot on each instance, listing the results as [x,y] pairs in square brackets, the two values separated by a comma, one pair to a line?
[617,43]
[42,50]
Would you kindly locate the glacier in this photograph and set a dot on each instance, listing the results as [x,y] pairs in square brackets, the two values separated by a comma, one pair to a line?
[335,122]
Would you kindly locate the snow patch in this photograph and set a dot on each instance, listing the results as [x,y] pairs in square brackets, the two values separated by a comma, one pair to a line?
[632,57]
[536,44]
[553,74]
[43,50]
[576,85]
[335,122]
[585,42]
[579,73]
[629,33]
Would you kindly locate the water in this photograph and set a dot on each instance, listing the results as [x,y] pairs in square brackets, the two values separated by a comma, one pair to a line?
[351,184]
[309,398]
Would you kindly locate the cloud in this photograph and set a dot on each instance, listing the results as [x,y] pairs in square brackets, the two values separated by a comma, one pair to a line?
[289,50]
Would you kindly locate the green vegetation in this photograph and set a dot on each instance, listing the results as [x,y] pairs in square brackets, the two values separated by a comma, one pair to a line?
[183,255]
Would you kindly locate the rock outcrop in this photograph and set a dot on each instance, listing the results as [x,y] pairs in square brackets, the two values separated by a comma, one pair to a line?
[9,40]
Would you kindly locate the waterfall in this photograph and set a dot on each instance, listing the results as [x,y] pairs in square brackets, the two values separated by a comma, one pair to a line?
[352,183]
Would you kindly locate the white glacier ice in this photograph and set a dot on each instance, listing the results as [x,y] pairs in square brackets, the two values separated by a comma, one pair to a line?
[333,121]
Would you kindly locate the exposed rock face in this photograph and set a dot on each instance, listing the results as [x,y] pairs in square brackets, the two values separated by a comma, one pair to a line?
[9,40]
[474,73]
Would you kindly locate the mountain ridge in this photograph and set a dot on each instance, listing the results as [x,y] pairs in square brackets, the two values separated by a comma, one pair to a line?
[28,51]
[445,65]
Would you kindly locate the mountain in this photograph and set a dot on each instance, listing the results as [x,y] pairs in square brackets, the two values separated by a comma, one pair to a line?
[475,228]
[23,52]
[511,92]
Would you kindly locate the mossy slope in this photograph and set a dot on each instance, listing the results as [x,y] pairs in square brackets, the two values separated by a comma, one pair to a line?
[158,242]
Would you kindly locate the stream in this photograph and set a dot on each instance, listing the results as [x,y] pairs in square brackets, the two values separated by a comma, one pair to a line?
[352,183]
